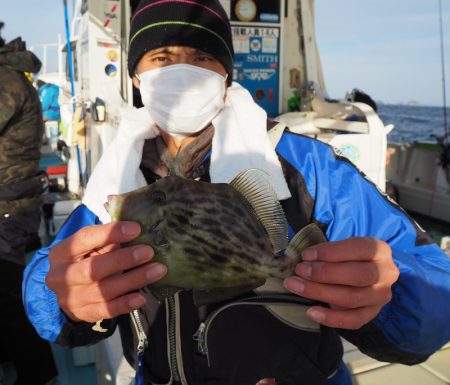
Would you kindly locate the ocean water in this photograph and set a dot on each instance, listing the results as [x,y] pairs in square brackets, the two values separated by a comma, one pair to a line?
[413,123]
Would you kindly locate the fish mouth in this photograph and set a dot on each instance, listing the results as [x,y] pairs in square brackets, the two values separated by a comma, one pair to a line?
[112,203]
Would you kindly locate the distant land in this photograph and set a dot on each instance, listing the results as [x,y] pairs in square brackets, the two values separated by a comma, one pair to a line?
[411,103]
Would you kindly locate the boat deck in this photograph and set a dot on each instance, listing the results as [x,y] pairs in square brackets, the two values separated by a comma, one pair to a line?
[69,373]
[367,371]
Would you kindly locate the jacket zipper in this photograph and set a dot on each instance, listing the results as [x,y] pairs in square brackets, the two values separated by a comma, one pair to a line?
[201,335]
[143,342]
[142,345]
[172,333]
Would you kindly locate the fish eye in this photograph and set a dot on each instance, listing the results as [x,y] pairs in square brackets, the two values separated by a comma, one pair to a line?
[158,197]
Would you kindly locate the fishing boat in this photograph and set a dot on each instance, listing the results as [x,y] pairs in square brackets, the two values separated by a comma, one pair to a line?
[277,60]
[419,173]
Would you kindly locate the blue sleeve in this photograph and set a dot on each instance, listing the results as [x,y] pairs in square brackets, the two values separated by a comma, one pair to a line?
[415,323]
[40,302]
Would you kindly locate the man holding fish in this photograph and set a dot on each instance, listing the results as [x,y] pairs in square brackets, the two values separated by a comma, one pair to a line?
[238,263]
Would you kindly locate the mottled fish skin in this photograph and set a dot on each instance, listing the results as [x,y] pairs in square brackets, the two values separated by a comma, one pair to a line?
[206,234]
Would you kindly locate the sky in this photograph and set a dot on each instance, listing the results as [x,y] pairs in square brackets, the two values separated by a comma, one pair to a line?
[388,48]
[36,21]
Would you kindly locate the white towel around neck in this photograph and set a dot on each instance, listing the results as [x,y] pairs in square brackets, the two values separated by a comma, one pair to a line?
[240,143]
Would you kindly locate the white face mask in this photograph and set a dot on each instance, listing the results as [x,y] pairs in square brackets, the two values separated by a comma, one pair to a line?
[182,98]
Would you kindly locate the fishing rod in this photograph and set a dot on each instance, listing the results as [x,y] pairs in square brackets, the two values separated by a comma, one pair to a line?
[69,48]
[444,92]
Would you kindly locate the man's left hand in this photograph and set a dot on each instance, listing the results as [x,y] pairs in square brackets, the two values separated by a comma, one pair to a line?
[353,276]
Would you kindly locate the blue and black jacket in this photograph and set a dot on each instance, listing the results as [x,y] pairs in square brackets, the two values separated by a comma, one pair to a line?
[247,343]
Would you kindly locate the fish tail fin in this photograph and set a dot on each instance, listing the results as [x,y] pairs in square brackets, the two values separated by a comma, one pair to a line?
[308,236]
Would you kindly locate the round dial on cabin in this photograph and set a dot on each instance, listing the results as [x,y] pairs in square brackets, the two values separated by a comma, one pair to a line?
[245,10]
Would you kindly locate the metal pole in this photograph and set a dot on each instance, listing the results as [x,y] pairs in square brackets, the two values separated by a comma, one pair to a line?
[45,59]
[444,92]
[60,61]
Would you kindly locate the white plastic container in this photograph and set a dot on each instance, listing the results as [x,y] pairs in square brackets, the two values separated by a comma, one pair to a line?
[61,211]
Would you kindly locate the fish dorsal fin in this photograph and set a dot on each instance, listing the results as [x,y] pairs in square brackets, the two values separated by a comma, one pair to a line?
[308,236]
[261,196]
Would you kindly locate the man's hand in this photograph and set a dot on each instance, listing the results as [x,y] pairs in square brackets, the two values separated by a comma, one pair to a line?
[87,272]
[353,276]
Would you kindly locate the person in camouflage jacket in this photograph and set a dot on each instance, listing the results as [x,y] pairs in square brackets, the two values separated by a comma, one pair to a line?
[21,185]
[21,131]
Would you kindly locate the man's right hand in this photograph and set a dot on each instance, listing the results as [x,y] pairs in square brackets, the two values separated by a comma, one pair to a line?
[87,272]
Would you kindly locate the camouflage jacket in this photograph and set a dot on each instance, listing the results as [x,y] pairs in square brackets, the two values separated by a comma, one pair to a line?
[21,131]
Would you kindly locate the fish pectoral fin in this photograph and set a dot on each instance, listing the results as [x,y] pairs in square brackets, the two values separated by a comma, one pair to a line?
[209,296]
[308,236]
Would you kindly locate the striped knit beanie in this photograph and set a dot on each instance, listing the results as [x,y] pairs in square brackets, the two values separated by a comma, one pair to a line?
[200,24]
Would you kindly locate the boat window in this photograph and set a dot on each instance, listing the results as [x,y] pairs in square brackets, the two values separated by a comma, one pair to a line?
[75,61]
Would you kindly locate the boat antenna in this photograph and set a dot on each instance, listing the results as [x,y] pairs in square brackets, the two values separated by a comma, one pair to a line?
[444,93]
